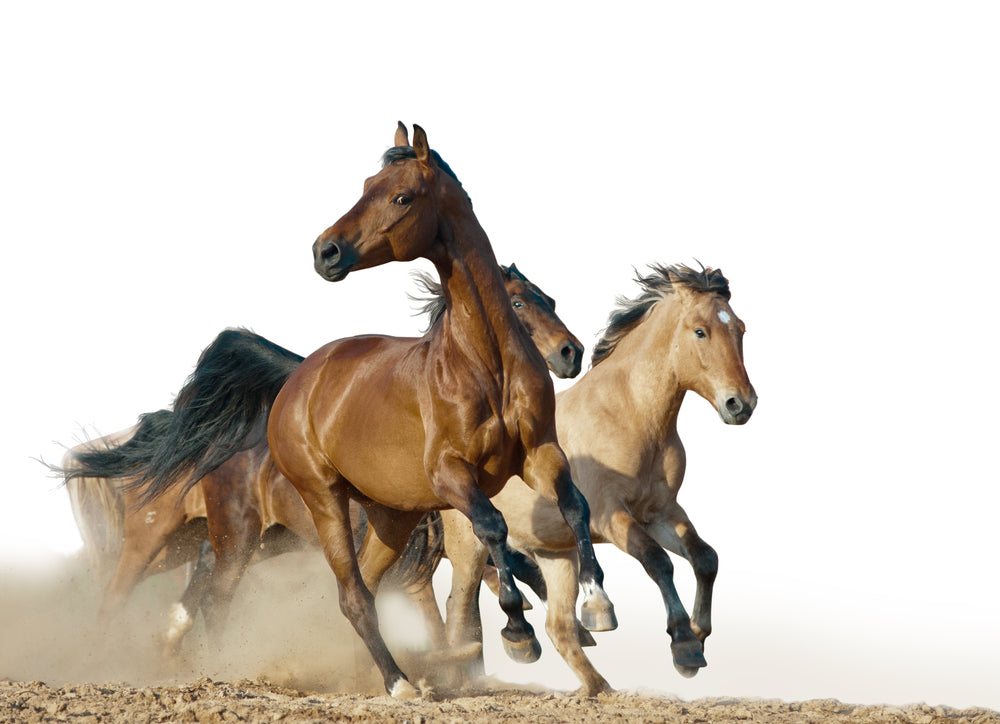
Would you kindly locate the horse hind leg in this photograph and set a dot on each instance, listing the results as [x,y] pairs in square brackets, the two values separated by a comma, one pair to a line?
[329,505]
[180,618]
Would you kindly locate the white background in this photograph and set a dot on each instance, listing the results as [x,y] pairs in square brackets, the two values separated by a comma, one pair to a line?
[164,171]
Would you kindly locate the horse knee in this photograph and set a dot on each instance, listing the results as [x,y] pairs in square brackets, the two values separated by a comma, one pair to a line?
[490,528]
[706,563]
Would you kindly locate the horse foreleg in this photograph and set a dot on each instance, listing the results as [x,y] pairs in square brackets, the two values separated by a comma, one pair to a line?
[560,572]
[626,533]
[455,485]
[677,534]
[464,625]
[546,471]
[422,597]
[329,506]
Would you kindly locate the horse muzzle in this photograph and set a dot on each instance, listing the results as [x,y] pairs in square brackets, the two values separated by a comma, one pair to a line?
[566,361]
[735,408]
[333,258]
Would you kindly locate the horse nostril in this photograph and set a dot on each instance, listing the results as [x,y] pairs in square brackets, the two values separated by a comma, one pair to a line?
[734,405]
[568,352]
[329,251]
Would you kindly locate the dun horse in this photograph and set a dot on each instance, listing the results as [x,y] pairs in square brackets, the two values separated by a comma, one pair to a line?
[406,426]
[251,509]
[618,426]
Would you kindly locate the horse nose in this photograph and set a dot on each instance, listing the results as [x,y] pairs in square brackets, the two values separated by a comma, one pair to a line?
[332,258]
[567,360]
[738,410]
[329,252]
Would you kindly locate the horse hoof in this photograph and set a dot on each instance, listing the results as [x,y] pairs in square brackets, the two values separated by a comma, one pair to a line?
[403,689]
[598,616]
[688,657]
[583,635]
[526,651]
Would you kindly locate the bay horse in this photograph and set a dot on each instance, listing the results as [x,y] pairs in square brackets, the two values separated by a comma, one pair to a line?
[618,426]
[245,508]
[405,426]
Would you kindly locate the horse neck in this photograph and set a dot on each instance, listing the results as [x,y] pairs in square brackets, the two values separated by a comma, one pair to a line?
[478,313]
[645,375]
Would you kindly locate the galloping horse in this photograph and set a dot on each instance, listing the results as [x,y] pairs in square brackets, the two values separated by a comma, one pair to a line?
[618,426]
[406,426]
[251,509]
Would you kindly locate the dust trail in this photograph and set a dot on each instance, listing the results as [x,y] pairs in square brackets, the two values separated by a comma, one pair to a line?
[285,626]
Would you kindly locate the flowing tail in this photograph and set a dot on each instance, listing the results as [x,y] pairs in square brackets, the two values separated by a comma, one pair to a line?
[221,409]
[99,510]
[96,498]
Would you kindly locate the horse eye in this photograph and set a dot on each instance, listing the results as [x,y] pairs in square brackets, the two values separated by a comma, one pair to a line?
[517,303]
[401,200]
[700,333]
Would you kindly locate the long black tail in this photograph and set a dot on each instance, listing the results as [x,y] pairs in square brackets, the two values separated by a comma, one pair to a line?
[120,461]
[221,410]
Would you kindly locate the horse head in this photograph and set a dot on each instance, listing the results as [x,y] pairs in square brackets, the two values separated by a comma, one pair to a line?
[536,310]
[708,348]
[396,218]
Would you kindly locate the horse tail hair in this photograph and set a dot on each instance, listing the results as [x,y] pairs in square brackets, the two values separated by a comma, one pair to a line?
[118,456]
[421,556]
[221,409]
[98,507]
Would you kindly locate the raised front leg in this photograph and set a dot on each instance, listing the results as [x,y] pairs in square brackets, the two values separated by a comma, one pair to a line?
[676,533]
[454,482]
[547,472]
[632,538]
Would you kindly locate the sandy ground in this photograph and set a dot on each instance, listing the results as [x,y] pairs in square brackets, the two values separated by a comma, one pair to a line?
[269,668]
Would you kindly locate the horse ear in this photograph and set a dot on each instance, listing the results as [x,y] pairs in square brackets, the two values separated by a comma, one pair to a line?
[402,138]
[420,144]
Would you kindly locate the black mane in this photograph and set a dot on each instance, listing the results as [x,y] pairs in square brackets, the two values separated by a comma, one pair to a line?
[398,153]
[655,287]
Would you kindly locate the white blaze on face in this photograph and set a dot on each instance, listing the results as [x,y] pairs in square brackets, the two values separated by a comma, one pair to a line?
[150,517]
[724,316]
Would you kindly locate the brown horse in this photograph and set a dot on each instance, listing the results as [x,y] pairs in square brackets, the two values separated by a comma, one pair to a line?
[406,426]
[618,425]
[251,509]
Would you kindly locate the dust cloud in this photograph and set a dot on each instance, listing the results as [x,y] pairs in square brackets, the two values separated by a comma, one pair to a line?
[285,626]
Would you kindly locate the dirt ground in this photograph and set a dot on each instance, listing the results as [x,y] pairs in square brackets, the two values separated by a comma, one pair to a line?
[259,701]
[55,667]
